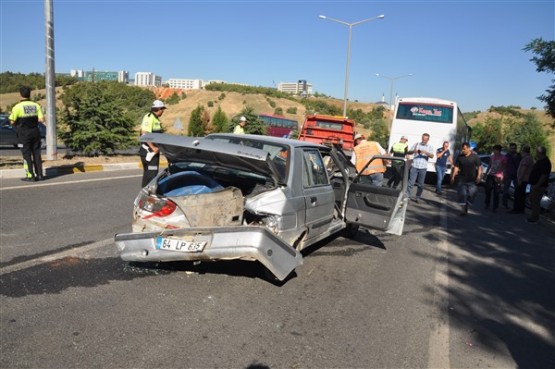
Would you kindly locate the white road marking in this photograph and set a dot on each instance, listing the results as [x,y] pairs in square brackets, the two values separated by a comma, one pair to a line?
[75,252]
[68,182]
[438,347]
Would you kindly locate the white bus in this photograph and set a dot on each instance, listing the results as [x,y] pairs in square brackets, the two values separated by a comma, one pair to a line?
[441,119]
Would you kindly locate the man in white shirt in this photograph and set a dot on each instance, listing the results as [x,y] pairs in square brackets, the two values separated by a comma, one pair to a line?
[422,152]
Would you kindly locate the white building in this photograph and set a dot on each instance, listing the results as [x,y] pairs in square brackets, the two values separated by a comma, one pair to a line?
[147,79]
[300,87]
[123,76]
[186,84]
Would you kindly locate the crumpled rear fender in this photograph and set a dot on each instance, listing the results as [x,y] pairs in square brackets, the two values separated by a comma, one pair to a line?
[223,243]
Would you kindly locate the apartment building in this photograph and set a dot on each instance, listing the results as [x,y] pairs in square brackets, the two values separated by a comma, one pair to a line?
[185,84]
[300,87]
[147,79]
[99,75]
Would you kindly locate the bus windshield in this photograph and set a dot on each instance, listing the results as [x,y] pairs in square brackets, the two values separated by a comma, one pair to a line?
[425,112]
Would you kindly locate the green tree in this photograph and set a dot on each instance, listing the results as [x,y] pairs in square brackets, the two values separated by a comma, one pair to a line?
[488,134]
[278,111]
[100,118]
[173,99]
[545,62]
[528,131]
[380,132]
[219,121]
[197,127]
[292,110]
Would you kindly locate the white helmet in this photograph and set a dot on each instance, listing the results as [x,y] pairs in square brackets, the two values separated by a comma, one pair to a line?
[157,104]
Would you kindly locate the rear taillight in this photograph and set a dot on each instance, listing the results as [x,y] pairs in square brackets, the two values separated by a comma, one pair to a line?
[159,207]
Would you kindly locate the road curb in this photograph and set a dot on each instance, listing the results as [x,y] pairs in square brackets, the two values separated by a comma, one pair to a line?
[76,168]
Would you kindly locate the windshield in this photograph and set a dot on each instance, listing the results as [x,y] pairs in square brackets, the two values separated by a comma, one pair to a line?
[329,125]
[425,112]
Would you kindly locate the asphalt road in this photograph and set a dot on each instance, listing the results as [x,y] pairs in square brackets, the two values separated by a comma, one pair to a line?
[452,292]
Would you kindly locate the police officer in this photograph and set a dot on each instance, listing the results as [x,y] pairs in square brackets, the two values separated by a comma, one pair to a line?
[150,156]
[26,117]
[398,150]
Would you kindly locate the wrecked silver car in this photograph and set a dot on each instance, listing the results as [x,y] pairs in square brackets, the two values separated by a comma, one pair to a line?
[255,198]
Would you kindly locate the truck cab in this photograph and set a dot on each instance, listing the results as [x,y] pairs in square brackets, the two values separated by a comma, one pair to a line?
[328,129]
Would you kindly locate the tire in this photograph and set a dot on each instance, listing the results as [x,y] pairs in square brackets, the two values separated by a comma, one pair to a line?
[351,230]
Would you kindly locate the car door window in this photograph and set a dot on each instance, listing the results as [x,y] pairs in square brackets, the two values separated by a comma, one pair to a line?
[314,171]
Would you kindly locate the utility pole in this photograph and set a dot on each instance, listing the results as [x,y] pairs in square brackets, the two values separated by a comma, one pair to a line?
[50,77]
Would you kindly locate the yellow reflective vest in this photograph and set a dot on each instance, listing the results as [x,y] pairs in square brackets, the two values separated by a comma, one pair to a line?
[151,124]
[26,114]
[399,149]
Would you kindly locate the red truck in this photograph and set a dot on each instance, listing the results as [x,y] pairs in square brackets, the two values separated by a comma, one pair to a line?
[329,129]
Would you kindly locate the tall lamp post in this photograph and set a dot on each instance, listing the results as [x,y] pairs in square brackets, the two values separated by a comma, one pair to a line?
[350,25]
[391,84]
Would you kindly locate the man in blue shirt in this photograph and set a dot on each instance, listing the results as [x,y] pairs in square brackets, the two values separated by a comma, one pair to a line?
[443,156]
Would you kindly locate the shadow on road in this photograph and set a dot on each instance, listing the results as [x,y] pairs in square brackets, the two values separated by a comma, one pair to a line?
[501,279]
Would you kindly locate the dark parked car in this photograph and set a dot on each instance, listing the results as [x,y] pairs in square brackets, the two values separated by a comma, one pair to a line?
[8,134]
[254,198]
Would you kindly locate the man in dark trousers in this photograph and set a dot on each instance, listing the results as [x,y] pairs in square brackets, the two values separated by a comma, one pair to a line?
[539,178]
[26,117]
[468,169]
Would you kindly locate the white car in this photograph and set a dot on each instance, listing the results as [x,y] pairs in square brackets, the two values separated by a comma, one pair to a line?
[255,198]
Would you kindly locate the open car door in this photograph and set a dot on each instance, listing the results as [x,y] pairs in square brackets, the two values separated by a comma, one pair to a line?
[381,206]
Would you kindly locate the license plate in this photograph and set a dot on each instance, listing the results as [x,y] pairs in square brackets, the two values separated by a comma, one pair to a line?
[179,245]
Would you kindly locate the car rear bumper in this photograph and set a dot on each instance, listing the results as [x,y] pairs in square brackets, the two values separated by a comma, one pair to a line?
[222,243]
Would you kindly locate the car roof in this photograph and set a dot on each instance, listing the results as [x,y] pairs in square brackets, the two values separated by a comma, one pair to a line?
[269,139]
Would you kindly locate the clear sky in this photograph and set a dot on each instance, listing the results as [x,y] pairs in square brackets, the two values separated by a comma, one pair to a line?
[467,51]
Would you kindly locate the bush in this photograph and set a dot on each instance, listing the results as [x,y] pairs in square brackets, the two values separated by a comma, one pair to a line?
[101,117]
[292,110]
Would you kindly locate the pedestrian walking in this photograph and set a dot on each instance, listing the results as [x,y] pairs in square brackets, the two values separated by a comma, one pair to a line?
[539,178]
[467,171]
[240,127]
[362,154]
[149,153]
[509,176]
[494,177]
[443,156]
[522,177]
[26,116]
[398,150]
[421,152]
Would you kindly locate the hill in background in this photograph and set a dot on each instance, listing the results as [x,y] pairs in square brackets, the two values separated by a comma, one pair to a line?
[234,102]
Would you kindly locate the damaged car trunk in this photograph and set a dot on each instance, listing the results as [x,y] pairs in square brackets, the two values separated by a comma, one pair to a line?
[247,197]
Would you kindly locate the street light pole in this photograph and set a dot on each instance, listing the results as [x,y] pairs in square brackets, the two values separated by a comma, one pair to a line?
[350,25]
[391,84]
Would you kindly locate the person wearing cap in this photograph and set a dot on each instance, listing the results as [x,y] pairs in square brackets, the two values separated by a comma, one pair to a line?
[398,150]
[539,179]
[358,137]
[150,156]
[362,154]
[443,156]
[240,128]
